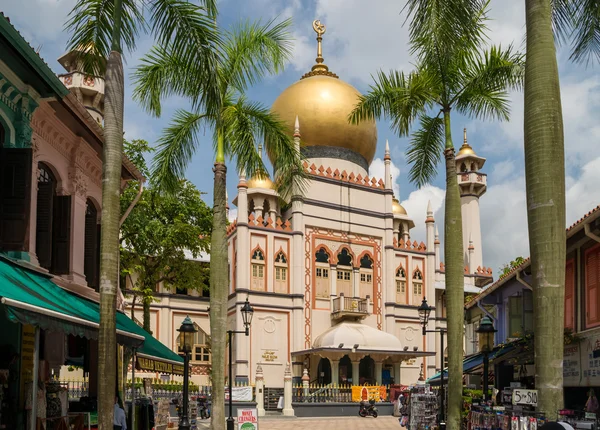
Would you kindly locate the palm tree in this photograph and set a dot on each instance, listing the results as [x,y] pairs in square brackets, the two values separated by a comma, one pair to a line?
[453,72]
[99,28]
[248,52]
[579,23]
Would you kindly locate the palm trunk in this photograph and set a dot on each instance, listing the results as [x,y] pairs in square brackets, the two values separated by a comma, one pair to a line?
[453,252]
[545,183]
[219,289]
[109,245]
[111,213]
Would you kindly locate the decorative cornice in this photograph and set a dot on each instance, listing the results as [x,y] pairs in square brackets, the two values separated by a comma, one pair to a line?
[327,172]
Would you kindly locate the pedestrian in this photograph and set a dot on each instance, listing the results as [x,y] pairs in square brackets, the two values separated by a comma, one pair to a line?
[119,421]
[592,403]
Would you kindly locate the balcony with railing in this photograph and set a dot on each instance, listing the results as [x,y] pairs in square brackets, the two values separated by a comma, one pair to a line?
[349,307]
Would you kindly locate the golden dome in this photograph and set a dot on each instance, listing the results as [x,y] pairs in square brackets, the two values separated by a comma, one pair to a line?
[323,103]
[262,182]
[397,208]
[465,149]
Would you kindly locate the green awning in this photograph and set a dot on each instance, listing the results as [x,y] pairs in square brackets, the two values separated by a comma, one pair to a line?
[31,297]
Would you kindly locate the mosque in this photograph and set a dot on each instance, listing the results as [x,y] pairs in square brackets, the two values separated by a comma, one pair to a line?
[335,276]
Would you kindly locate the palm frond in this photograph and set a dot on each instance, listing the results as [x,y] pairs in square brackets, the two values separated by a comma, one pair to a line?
[398,97]
[176,146]
[562,19]
[90,23]
[162,73]
[248,123]
[425,150]
[443,26]
[253,50]
[486,80]
[585,15]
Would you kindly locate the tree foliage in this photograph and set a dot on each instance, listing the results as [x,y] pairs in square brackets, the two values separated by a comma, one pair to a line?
[158,231]
[508,267]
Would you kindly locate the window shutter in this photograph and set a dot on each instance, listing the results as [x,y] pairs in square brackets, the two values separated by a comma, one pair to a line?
[43,237]
[591,287]
[15,198]
[90,263]
[61,235]
[515,316]
[570,295]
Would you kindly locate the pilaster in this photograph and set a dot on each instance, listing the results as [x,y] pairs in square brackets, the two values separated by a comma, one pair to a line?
[297,258]
[78,183]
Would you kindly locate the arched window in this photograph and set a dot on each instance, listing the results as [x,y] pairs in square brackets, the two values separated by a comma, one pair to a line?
[91,259]
[366,276]
[344,273]
[323,283]
[201,349]
[258,270]
[401,285]
[281,273]
[463,167]
[250,207]
[417,286]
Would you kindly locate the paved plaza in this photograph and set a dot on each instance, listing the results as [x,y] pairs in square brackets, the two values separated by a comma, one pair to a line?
[328,423]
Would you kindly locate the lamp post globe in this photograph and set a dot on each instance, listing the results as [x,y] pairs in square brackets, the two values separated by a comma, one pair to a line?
[247,314]
[186,341]
[486,333]
[424,312]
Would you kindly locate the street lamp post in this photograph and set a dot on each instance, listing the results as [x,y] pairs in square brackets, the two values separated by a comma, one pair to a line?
[486,332]
[186,340]
[247,313]
[424,312]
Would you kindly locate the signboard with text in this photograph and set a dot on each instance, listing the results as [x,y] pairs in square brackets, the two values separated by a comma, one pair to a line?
[524,397]
[247,419]
[150,365]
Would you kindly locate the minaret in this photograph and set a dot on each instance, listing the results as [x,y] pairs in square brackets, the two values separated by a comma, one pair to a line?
[473,184]
[88,89]
[387,161]
[436,245]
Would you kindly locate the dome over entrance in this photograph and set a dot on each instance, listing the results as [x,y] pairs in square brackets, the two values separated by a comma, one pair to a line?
[352,333]
[322,103]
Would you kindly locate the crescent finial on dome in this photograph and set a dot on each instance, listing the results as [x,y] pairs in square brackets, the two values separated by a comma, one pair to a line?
[320,68]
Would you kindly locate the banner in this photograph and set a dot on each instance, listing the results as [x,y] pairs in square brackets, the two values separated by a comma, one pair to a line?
[240,394]
[247,419]
[149,365]
[581,362]
[363,392]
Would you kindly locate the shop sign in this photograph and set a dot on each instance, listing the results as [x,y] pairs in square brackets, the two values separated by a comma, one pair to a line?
[247,419]
[150,365]
[571,366]
[269,356]
[240,394]
[525,397]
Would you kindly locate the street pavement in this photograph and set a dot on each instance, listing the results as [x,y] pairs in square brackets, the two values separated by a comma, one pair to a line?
[328,423]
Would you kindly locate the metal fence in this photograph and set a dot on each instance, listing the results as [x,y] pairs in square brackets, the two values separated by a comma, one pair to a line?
[326,393]
[161,390]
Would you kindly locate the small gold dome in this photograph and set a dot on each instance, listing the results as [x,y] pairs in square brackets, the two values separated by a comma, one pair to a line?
[322,104]
[466,150]
[397,208]
[264,182]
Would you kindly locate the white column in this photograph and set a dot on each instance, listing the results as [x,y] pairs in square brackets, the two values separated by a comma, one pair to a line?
[78,211]
[378,371]
[243,278]
[297,260]
[260,386]
[436,245]
[335,371]
[288,411]
[472,261]
[355,373]
[429,281]
[305,383]
[355,282]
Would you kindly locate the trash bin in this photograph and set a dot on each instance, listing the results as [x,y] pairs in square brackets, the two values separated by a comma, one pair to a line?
[144,415]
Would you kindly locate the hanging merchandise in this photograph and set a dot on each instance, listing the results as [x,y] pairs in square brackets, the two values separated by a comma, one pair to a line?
[423,408]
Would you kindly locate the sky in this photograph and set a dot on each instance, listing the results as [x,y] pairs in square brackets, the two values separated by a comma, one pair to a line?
[361,38]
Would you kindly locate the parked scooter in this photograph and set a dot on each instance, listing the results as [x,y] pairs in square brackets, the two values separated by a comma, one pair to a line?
[367,409]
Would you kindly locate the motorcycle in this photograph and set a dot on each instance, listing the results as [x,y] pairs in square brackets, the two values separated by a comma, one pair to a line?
[367,409]
[203,407]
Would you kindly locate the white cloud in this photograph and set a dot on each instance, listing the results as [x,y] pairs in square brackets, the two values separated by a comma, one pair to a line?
[232,214]
[416,207]
[377,171]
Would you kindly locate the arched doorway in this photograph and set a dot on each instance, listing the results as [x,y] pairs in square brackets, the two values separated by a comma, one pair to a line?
[345,370]
[366,370]
[324,371]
